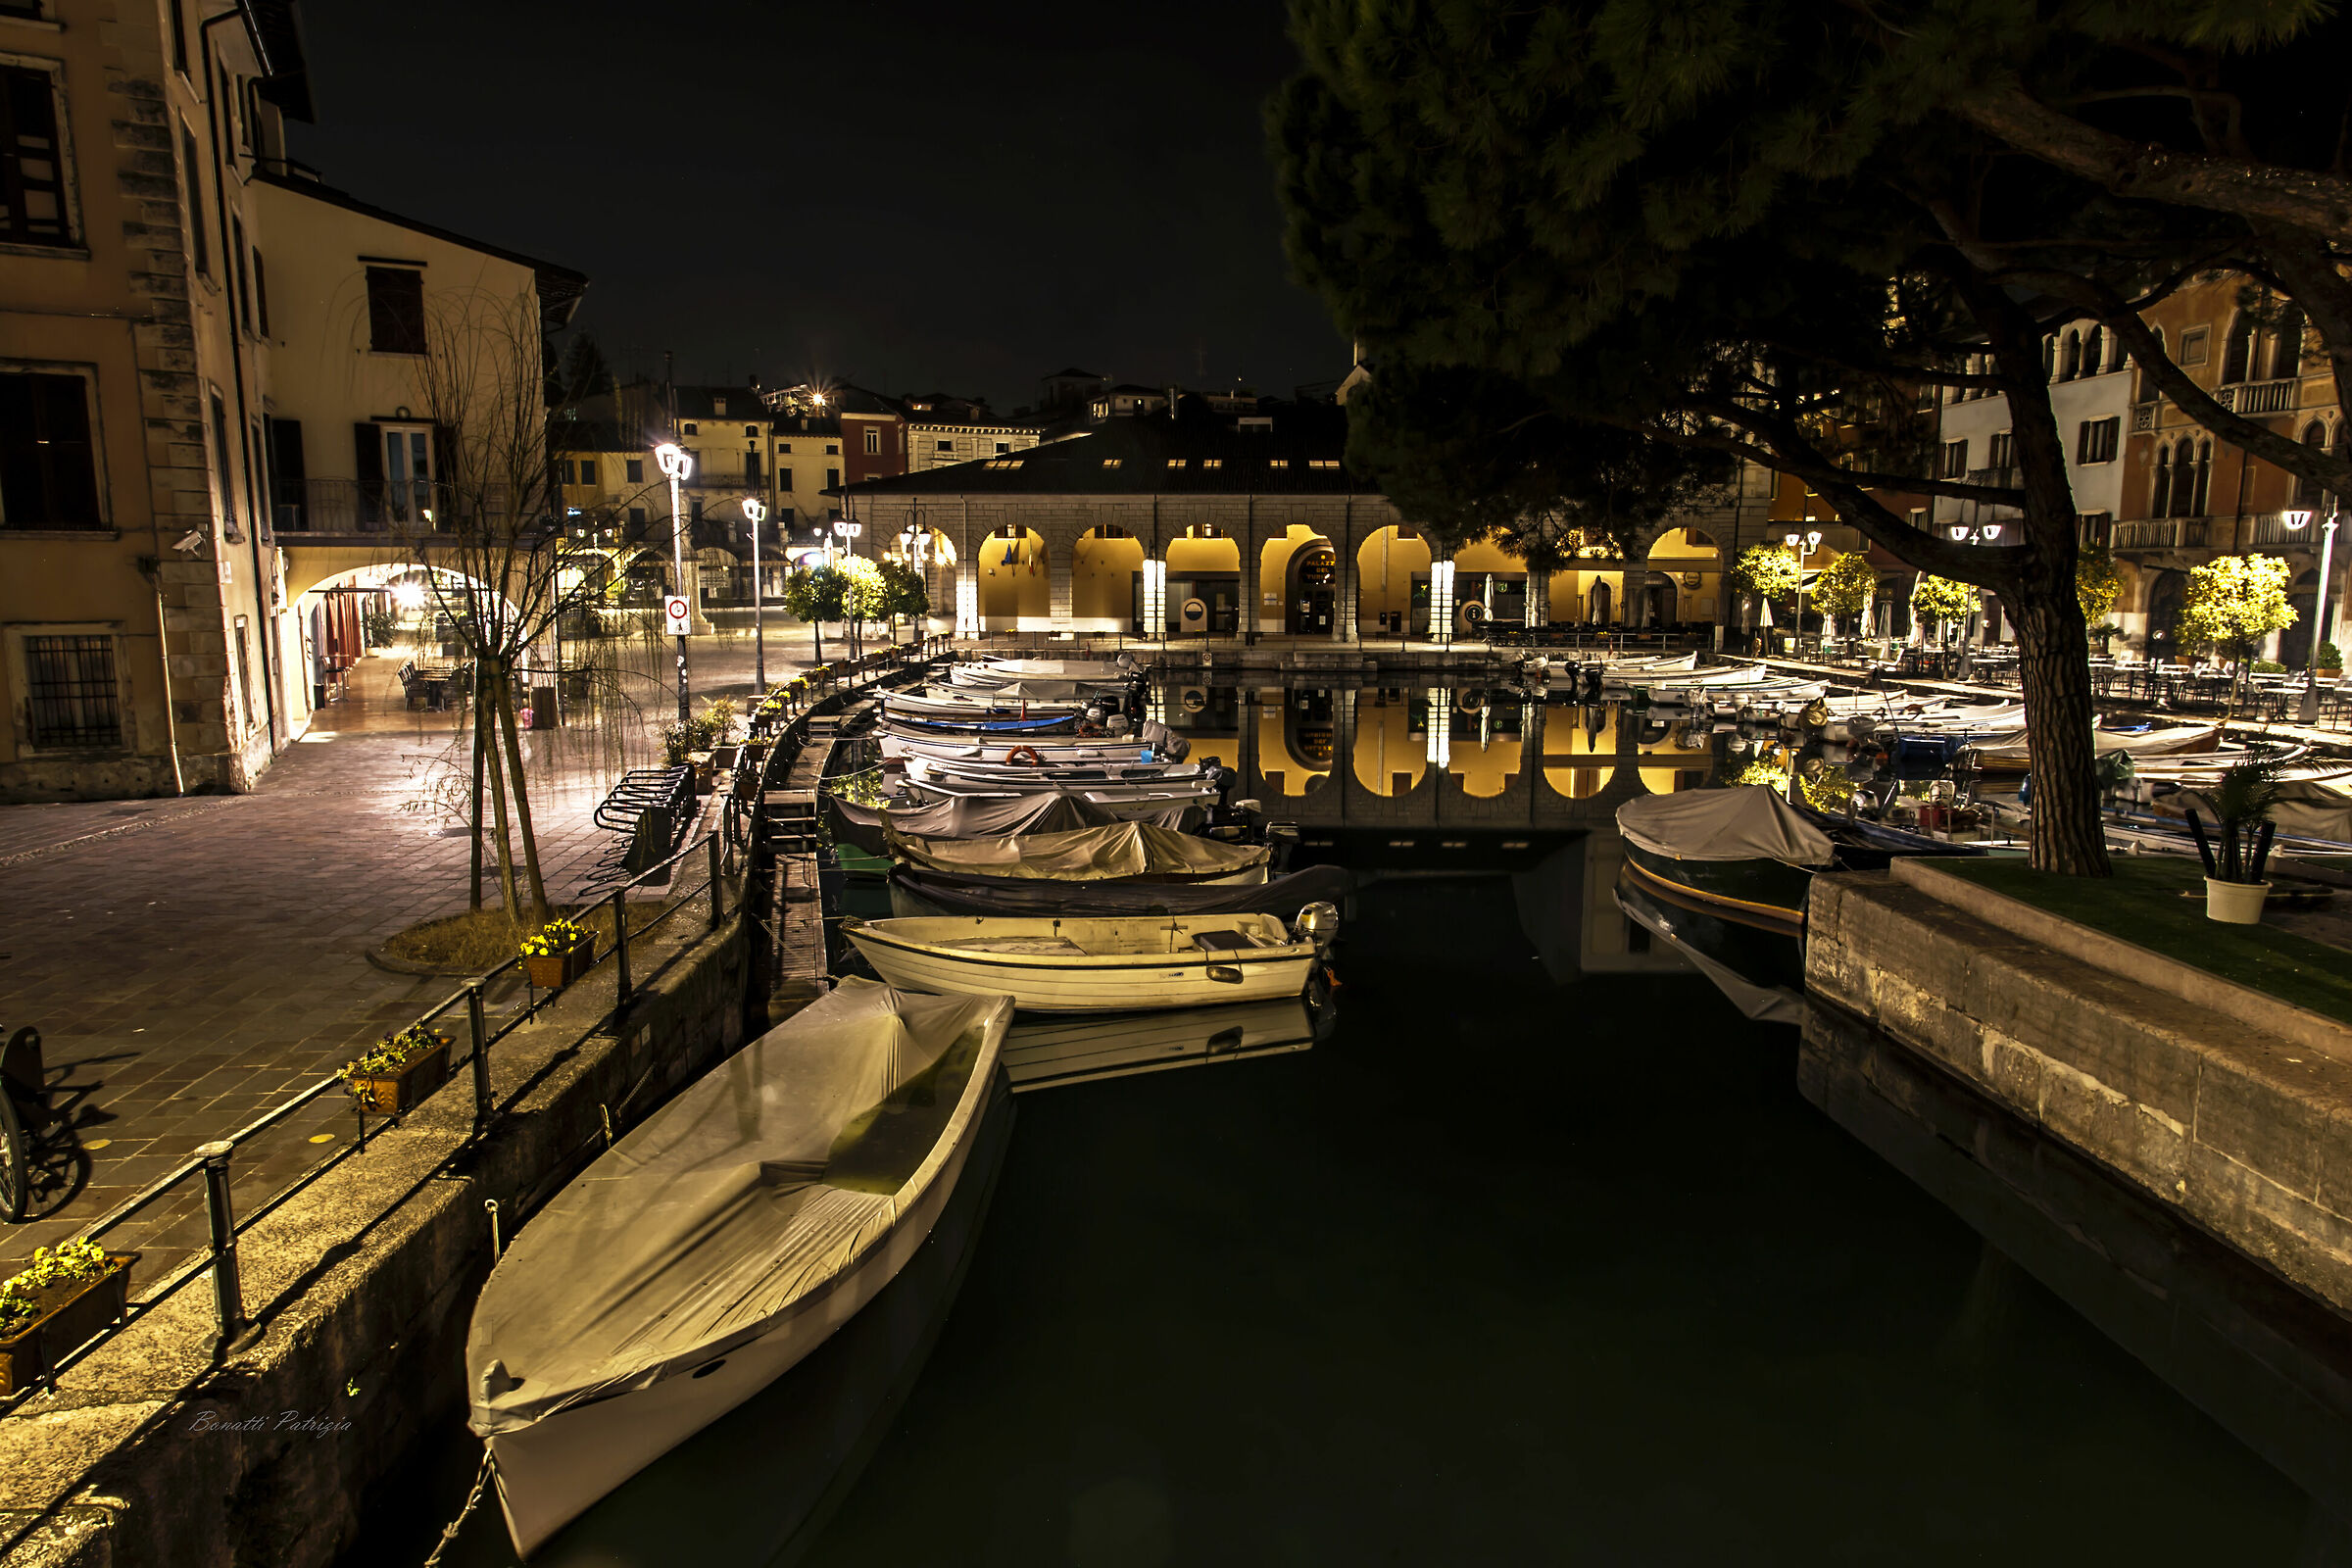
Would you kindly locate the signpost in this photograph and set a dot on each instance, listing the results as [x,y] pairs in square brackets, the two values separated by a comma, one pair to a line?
[680,614]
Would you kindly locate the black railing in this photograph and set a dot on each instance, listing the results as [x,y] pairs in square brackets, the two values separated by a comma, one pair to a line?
[740,848]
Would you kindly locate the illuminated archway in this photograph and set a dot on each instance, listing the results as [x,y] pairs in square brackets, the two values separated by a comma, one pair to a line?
[1678,760]
[1575,742]
[1016,582]
[1300,569]
[1295,756]
[1390,565]
[1205,585]
[1107,566]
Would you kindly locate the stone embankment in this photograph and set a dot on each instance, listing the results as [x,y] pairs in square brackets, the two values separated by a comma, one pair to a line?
[2228,1106]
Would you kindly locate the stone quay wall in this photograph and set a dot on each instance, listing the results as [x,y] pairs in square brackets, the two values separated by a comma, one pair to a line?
[2231,1109]
[153,1451]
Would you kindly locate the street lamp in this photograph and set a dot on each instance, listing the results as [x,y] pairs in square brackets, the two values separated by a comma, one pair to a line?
[2308,710]
[755,513]
[677,463]
[1803,544]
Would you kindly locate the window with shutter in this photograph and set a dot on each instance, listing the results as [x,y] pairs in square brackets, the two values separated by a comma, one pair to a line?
[260,293]
[395,310]
[191,170]
[288,478]
[32,170]
[48,465]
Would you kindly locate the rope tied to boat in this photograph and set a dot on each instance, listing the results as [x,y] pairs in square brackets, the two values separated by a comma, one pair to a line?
[474,1498]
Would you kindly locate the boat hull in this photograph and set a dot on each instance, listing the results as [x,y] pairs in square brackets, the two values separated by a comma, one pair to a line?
[1117,983]
[554,1469]
[1763,893]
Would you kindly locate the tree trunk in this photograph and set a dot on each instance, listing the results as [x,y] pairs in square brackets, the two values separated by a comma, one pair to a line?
[523,800]
[473,805]
[498,805]
[2067,835]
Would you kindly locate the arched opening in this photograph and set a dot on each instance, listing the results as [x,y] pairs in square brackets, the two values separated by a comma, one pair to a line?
[2070,360]
[1106,580]
[1599,602]
[1679,759]
[2286,354]
[1389,751]
[1205,585]
[1692,562]
[2160,483]
[1575,742]
[2094,351]
[1392,584]
[2237,353]
[1489,587]
[1016,582]
[1890,606]
[2166,596]
[398,611]
[1658,596]
[2294,641]
[1298,585]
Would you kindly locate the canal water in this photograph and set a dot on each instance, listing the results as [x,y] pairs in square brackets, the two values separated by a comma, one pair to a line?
[1544,1253]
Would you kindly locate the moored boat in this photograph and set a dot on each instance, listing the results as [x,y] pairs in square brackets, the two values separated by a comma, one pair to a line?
[1130,852]
[1102,963]
[708,1250]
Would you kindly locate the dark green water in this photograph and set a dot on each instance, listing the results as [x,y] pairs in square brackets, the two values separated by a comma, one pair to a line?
[1505,1272]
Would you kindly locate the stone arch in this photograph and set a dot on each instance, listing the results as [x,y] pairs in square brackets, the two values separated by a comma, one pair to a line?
[1305,566]
[1392,582]
[1693,560]
[1482,759]
[1107,575]
[1295,757]
[1205,584]
[1492,578]
[1679,759]
[1015,573]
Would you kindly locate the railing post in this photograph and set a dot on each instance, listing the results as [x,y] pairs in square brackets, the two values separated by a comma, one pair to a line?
[228,1295]
[620,944]
[718,890]
[481,1058]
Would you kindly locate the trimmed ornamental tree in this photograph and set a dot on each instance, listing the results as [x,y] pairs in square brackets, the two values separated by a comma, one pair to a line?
[1845,585]
[815,594]
[865,596]
[905,596]
[1943,601]
[1766,571]
[2232,603]
[2098,584]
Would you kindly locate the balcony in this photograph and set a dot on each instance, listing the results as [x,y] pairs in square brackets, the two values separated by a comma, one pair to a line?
[2161,533]
[387,506]
[2271,529]
[2258,397]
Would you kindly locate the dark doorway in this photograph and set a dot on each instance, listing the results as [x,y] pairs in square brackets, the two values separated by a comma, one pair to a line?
[1312,600]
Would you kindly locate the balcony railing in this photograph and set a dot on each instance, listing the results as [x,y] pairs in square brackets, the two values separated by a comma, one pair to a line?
[2258,397]
[381,506]
[2161,533]
[2272,530]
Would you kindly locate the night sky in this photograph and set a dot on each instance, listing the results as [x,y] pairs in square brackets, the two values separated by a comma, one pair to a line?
[914,197]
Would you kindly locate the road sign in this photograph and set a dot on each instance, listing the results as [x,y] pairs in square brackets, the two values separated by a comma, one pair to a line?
[681,615]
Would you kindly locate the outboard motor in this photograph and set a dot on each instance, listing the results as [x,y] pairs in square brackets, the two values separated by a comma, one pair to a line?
[1094,714]
[1593,683]
[1281,837]
[1116,725]
[1319,923]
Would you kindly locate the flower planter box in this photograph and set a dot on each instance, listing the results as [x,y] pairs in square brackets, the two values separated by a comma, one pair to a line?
[704,768]
[391,1094]
[553,971]
[69,1314]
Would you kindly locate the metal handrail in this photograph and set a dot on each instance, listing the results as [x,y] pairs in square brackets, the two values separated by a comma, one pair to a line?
[212,1159]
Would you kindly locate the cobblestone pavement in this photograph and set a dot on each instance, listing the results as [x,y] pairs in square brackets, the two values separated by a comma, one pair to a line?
[193,963]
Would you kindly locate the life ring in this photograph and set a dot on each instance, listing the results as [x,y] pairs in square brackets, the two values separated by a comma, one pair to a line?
[1030,752]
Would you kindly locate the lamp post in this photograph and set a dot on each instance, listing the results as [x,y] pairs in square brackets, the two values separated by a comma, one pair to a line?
[1802,544]
[755,513]
[2308,710]
[677,463]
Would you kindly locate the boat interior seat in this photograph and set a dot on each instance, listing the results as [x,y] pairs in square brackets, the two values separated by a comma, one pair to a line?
[1224,941]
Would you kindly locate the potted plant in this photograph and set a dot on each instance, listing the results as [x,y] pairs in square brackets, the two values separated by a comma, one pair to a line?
[558,953]
[68,1293]
[2240,845]
[393,1077]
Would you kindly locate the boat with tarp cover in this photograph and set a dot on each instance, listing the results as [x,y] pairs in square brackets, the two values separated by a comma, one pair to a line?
[713,1247]
[1129,852]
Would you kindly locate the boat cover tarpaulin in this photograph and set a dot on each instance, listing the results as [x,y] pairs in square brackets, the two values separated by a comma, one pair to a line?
[995,817]
[694,1232]
[1750,823]
[918,892]
[2305,807]
[1086,854]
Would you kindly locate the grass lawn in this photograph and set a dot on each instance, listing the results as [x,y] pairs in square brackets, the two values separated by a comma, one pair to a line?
[2142,903]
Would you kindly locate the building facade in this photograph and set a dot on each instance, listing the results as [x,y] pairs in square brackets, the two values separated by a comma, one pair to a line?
[211,411]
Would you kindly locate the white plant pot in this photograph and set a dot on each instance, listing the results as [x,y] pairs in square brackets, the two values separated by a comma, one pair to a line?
[2235,903]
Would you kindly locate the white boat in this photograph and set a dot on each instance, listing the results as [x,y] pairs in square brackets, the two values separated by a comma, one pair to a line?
[1123,667]
[2168,740]
[1113,964]
[974,708]
[1152,743]
[706,1253]
[1127,798]
[959,775]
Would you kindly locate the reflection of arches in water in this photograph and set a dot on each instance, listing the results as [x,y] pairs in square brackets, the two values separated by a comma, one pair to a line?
[1486,745]
[1311,731]
[2166,598]
[1282,772]
[1671,780]
[1389,750]
[1578,783]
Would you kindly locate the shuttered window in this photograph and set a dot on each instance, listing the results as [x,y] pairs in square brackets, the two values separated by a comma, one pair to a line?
[32,169]
[395,310]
